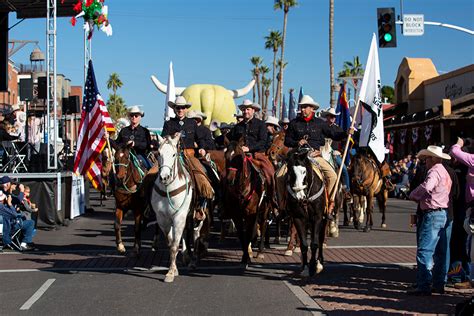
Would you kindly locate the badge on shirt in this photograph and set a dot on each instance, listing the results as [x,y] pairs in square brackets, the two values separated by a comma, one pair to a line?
[181,123]
[131,137]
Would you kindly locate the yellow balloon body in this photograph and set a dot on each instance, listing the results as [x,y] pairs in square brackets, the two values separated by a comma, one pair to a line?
[213,100]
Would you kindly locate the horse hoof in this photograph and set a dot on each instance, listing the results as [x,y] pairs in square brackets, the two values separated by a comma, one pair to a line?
[289,253]
[319,267]
[260,256]
[169,278]
[121,248]
[384,225]
[305,272]
[297,250]
[325,245]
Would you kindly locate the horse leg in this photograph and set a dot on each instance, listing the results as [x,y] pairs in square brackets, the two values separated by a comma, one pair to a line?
[317,232]
[154,244]
[118,230]
[370,204]
[278,230]
[265,231]
[138,232]
[382,197]
[301,229]
[177,232]
[346,217]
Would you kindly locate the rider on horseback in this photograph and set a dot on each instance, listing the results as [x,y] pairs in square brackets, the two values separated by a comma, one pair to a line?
[190,137]
[136,136]
[272,128]
[307,129]
[254,132]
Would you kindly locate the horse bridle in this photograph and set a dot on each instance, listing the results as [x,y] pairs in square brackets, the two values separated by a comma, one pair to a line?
[129,174]
[173,166]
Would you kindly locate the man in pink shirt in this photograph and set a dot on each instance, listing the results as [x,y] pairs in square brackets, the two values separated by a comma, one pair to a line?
[432,224]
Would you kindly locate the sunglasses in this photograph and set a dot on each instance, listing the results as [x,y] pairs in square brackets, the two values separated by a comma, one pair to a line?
[135,115]
[179,108]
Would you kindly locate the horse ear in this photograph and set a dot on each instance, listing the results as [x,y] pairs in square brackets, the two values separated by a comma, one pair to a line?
[241,141]
[160,139]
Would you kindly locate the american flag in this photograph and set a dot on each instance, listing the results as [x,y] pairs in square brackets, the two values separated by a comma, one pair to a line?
[91,140]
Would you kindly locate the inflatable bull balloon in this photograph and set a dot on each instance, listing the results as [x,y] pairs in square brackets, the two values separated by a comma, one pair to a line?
[215,101]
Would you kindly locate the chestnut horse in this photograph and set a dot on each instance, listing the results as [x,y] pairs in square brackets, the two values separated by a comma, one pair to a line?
[277,151]
[244,198]
[128,195]
[367,182]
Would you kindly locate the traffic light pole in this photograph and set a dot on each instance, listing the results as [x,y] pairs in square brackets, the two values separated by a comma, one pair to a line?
[449,26]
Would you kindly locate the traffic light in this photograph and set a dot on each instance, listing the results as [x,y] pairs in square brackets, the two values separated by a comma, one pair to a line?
[386,26]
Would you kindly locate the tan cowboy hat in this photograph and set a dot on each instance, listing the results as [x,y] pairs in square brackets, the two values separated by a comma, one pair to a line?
[307,100]
[15,107]
[272,120]
[201,115]
[193,115]
[238,113]
[331,111]
[433,151]
[249,104]
[135,109]
[285,121]
[180,101]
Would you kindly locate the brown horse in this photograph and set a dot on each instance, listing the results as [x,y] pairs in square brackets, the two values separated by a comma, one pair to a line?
[129,195]
[277,151]
[105,172]
[367,182]
[244,198]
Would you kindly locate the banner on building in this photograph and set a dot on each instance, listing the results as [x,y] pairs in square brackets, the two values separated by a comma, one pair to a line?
[403,134]
[428,131]
[414,134]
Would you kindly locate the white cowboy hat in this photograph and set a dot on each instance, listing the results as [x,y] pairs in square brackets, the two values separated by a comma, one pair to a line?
[201,115]
[15,107]
[433,151]
[180,101]
[307,100]
[272,120]
[331,111]
[285,121]
[135,109]
[249,104]
[238,113]
[193,115]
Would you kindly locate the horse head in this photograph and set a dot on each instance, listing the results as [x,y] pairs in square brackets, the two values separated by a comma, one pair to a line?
[168,155]
[122,163]
[277,150]
[299,174]
[363,173]
[238,168]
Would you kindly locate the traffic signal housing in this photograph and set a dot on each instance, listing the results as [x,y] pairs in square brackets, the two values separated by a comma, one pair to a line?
[386,27]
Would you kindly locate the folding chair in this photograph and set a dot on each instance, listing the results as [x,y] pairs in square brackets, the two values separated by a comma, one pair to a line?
[16,234]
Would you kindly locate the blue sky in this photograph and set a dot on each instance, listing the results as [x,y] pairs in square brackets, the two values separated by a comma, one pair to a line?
[211,41]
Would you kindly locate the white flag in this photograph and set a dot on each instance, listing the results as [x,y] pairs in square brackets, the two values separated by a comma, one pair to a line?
[170,94]
[371,134]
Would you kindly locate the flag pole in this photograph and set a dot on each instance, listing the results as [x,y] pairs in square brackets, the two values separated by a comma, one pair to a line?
[110,157]
[346,149]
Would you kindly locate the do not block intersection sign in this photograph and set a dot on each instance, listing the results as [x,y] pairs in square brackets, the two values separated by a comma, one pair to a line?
[413,24]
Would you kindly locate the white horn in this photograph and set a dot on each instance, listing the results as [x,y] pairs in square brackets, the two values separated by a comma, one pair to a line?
[163,88]
[241,92]
[215,124]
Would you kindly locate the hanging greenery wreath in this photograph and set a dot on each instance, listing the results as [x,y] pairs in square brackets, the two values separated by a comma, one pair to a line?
[94,13]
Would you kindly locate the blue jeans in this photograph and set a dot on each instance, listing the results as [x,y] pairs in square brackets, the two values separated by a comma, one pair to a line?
[27,228]
[432,256]
[345,174]
[144,160]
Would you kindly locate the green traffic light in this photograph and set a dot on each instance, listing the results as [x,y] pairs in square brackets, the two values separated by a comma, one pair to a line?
[387,37]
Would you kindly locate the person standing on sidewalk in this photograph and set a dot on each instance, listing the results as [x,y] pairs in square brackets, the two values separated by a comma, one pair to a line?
[432,224]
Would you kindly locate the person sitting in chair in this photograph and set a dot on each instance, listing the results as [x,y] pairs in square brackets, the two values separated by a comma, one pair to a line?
[135,136]
[308,130]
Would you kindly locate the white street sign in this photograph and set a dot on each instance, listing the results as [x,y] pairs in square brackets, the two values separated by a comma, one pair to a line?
[413,24]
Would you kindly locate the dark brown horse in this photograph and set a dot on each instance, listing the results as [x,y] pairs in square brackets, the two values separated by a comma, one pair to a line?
[243,198]
[367,182]
[277,151]
[129,195]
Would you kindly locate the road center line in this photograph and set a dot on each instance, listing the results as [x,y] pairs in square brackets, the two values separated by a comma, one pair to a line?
[37,294]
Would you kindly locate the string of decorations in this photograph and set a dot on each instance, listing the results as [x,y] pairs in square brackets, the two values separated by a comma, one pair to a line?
[94,13]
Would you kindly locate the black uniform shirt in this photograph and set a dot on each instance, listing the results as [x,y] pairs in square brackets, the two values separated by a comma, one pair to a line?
[139,135]
[205,133]
[188,129]
[255,133]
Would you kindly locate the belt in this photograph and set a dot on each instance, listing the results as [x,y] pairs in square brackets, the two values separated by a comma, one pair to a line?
[434,210]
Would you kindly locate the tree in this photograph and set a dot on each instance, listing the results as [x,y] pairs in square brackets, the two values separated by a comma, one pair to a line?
[256,62]
[284,5]
[116,107]
[388,92]
[281,66]
[353,70]
[273,41]
[114,83]
[263,71]
[331,64]
[266,82]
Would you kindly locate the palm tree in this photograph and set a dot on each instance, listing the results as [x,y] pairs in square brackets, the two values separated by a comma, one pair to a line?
[353,69]
[116,107]
[263,71]
[114,83]
[284,5]
[281,66]
[256,62]
[331,40]
[273,41]
[266,82]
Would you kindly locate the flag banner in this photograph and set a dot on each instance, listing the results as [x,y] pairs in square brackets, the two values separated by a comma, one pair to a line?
[170,94]
[343,120]
[95,119]
[428,130]
[293,106]
[300,96]
[403,135]
[414,134]
[371,134]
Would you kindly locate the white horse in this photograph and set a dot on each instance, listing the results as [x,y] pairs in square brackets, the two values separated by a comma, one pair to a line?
[171,197]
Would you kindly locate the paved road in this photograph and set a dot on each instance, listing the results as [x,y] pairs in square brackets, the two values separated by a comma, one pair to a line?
[90,278]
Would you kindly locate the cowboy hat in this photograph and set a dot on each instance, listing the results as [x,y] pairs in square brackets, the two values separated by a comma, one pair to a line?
[135,109]
[201,115]
[285,121]
[307,100]
[225,126]
[433,151]
[180,101]
[193,115]
[272,120]
[331,111]
[249,104]
[15,107]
